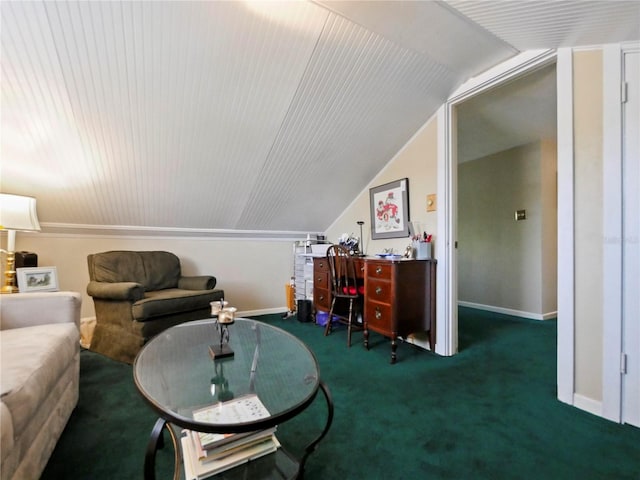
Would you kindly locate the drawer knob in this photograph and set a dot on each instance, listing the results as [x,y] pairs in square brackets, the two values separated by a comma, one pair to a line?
[378,290]
[321,264]
[321,297]
[378,314]
[378,270]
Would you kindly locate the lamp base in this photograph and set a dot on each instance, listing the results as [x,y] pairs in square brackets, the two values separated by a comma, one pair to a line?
[9,289]
[10,275]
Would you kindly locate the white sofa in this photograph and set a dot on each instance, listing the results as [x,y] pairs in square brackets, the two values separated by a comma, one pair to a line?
[39,377]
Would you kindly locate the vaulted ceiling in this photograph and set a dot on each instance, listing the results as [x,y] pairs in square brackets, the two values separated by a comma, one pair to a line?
[243,116]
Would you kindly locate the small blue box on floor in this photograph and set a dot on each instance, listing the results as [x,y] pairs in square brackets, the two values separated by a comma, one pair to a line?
[321,318]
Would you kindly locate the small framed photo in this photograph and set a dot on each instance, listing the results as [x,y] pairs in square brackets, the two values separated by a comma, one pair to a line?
[37,279]
[389,205]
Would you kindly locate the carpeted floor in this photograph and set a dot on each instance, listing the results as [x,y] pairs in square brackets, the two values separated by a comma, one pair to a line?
[489,412]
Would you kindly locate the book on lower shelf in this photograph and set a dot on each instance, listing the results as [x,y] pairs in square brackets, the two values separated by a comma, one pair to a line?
[196,469]
[208,454]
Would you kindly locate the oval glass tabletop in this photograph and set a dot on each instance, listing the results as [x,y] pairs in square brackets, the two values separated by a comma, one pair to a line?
[176,374]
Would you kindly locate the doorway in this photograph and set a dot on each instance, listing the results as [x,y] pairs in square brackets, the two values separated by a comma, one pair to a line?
[506,197]
[446,240]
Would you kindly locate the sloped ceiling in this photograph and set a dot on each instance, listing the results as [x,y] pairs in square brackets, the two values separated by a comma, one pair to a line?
[494,121]
[231,117]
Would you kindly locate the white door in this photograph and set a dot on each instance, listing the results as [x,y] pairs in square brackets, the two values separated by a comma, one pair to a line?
[631,240]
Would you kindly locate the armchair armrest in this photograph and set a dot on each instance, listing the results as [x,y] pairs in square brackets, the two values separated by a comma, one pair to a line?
[116,291]
[39,308]
[197,282]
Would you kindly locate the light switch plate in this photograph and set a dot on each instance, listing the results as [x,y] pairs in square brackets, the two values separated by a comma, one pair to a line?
[431,202]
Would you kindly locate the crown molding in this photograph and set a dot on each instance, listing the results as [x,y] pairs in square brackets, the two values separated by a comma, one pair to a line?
[171,232]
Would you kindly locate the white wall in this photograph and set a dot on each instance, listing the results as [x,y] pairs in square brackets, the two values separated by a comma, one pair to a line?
[253,274]
[549,244]
[417,162]
[588,171]
[502,263]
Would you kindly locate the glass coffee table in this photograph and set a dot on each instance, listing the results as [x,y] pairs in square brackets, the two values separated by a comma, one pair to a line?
[176,375]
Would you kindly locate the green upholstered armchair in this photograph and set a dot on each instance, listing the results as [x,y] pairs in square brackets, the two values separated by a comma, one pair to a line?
[139,294]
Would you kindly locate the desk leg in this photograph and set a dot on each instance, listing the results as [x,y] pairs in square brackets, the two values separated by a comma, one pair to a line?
[313,445]
[394,347]
[366,335]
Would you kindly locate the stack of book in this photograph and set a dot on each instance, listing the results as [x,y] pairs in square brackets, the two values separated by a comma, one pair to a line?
[208,454]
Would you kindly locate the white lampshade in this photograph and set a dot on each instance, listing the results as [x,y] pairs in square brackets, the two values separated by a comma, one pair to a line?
[18,213]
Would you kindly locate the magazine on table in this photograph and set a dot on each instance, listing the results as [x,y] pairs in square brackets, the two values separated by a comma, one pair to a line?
[247,408]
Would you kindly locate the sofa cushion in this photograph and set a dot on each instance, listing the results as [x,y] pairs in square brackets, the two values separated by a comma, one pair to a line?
[33,358]
[153,270]
[172,300]
[6,433]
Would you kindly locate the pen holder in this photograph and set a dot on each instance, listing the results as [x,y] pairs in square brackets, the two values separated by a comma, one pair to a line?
[423,250]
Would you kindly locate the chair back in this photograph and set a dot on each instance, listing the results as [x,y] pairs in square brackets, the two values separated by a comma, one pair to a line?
[342,272]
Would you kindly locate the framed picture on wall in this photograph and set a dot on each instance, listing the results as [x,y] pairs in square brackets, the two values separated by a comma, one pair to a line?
[389,204]
[37,279]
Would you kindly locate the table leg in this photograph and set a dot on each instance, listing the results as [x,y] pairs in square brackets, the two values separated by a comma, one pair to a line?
[156,441]
[313,445]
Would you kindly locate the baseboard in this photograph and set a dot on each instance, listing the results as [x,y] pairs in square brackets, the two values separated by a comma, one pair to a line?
[509,311]
[587,404]
[87,324]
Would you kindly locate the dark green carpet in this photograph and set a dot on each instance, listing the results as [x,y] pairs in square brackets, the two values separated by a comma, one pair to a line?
[490,412]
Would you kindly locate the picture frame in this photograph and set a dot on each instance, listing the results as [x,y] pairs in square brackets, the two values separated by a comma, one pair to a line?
[37,279]
[389,205]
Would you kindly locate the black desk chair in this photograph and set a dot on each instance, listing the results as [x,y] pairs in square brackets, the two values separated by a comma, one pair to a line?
[344,287]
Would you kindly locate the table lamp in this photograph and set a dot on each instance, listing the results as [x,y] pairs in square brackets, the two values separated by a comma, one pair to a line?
[17,213]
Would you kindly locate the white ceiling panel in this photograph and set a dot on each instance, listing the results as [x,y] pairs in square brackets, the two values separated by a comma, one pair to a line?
[241,116]
[156,113]
[554,24]
[493,121]
[337,128]
[428,28]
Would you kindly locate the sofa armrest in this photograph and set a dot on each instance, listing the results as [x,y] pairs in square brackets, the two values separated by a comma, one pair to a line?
[197,282]
[116,291]
[39,308]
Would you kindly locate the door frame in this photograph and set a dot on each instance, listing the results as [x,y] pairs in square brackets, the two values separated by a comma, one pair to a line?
[447,276]
[612,382]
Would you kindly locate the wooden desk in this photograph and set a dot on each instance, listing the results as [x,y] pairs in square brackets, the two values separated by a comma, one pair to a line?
[399,296]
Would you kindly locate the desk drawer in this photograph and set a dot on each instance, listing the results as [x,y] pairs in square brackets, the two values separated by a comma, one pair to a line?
[320,265]
[380,269]
[378,317]
[321,299]
[378,290]
[321,279]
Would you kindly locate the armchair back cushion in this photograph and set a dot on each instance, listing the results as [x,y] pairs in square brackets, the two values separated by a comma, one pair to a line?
[152,270]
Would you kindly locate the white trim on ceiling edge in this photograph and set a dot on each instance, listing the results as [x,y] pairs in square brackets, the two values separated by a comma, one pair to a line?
[168,232]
